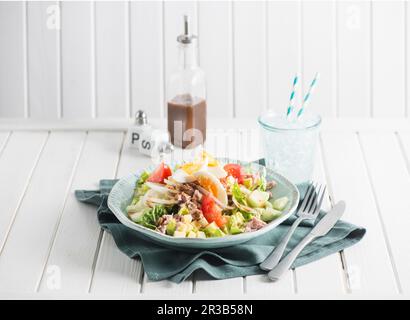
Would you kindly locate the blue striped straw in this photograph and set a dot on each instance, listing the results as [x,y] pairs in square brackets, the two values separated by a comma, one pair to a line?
[292,96]
[308,94]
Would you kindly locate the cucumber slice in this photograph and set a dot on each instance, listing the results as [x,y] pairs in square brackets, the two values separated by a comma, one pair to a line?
[280,203]
[171,227]
[270,214]
[212,230]
[258,199]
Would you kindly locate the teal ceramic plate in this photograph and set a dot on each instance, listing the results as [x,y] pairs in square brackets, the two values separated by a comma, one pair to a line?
[121,195]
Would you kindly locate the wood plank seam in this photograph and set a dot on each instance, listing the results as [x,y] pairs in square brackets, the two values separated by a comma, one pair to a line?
[61,213]
[345,271]
[294,281]
[95,259]
[379,214]
[20,201]
[102,232]
[5,142]
[194,283]
[403,151]
[141,278]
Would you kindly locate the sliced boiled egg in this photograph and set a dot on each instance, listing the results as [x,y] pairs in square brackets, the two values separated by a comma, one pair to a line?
[218,171]
[158,187]
[185,173]
[181,176]
[212,184]
[206,157]
[195,166]
[212,165]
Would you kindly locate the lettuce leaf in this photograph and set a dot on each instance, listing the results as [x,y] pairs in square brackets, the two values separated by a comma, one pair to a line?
[247,215]
[238,194]
[260,184]
[150,216]
[140,187]
[143,178]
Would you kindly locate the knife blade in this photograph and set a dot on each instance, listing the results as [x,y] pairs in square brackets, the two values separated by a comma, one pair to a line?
[322,228]
[329,220]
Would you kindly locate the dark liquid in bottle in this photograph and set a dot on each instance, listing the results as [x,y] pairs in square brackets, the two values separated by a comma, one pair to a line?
[187,121]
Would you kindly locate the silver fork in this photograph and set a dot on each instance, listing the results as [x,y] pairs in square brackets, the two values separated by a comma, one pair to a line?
[309,210]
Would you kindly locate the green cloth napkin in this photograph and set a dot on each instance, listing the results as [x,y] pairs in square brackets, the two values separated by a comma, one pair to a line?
[242,260]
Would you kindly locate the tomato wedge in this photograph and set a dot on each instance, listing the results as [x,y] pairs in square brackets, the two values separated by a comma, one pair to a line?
[236,171]
[161,173]
[221,221]
[211,211]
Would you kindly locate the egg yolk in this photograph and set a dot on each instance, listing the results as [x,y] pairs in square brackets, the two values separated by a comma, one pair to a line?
[191,167]
[208,185]
[212,162]
[196,165]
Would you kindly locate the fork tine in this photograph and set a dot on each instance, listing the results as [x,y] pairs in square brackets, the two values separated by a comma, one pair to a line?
[307,196]
[312,199]
[317,198]
[319,203]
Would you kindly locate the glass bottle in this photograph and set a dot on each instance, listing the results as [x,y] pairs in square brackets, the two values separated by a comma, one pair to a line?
[186,95]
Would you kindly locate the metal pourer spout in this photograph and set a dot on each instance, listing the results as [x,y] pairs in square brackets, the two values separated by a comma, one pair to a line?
[186,25]
[186,37]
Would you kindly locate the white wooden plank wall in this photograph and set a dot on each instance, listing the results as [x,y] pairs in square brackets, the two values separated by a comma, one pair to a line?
[353,67]
[388,59]
[13,82]
[77,60]
[318,52]
[147,66]
[44,92]
[216,55]
[109,59]
[112,59]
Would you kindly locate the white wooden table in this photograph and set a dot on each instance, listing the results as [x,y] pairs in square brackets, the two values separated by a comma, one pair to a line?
[52,246]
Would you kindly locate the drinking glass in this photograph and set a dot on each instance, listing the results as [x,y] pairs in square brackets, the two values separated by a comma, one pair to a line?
[290,146]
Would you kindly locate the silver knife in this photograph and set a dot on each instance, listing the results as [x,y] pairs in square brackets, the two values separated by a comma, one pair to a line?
[321,229]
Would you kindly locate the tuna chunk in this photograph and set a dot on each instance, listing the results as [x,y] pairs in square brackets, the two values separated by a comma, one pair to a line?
[254,224]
